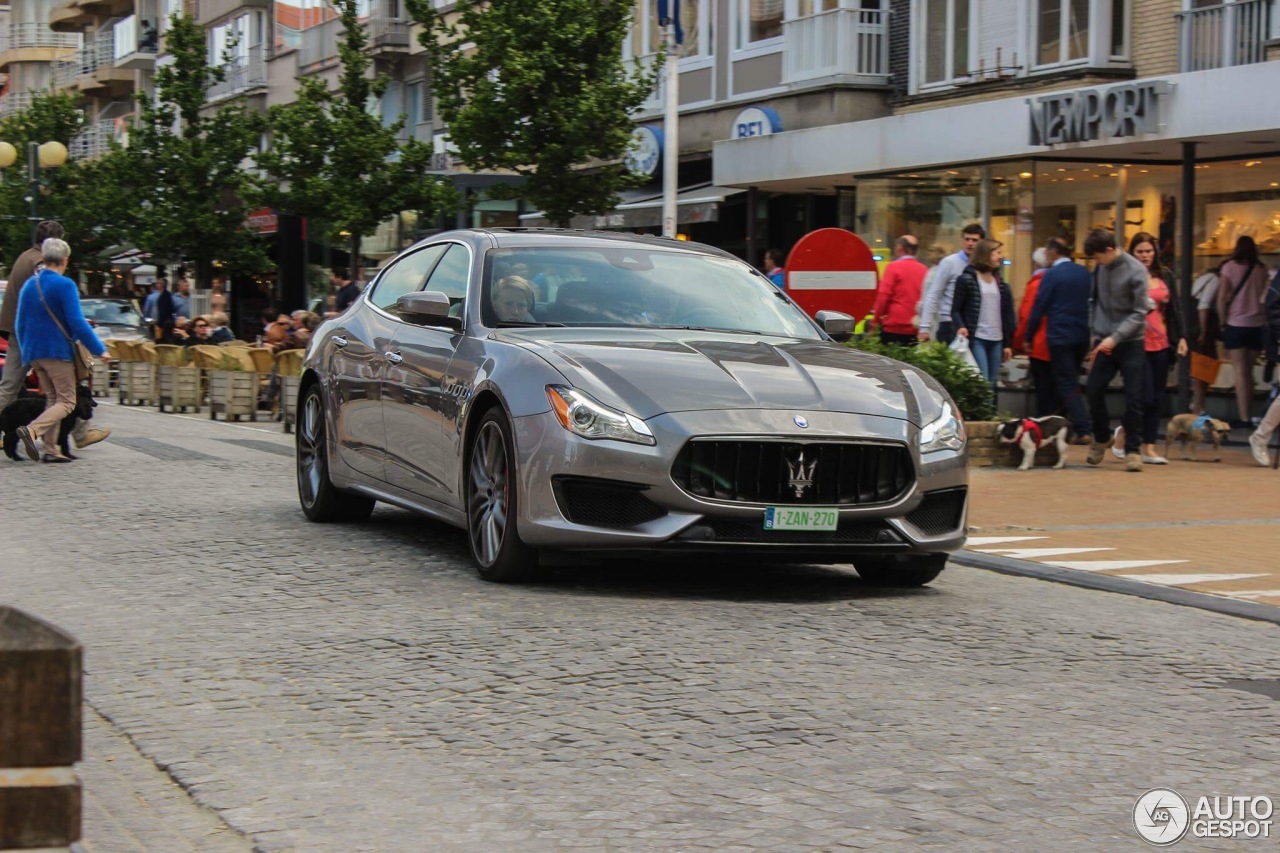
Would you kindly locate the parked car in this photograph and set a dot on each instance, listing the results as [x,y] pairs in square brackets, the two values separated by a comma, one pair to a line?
[114,318]
[568,391]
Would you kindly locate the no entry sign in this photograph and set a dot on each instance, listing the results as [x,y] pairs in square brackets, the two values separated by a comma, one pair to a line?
[832,269]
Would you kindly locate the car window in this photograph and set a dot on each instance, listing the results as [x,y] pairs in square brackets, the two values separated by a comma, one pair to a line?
[452,273]
[119,313]
[405,276]
[635,286]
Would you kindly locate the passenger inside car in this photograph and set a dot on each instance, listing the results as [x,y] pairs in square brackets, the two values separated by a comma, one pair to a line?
[513,299]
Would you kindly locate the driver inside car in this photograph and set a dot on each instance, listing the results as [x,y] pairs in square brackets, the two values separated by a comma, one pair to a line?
[513,299]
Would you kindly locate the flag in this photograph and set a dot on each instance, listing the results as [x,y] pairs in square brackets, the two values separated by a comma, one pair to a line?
[670,10]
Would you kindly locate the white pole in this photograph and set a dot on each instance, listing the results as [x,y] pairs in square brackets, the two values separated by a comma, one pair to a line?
[671,134]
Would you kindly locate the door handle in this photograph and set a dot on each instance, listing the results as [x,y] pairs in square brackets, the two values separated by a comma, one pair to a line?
[393,357]
[339,341]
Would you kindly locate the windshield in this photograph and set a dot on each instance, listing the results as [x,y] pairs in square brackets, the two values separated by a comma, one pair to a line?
[634,286]
[119,313]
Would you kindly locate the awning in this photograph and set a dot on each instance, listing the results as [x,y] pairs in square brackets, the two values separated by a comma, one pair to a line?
[693,205]
[129,257]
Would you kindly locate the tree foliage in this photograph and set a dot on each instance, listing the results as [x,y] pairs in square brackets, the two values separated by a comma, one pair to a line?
[540,89]
[333,160]
[83,195]
[188,184]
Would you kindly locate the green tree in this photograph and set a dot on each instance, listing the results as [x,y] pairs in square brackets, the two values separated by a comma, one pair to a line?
[540,89]
[86,195]
[334,161]
[190,189]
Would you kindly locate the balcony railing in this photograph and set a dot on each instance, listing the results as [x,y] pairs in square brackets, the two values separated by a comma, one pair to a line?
[15,102]
[86,60]
[844,45]
[319,43]
[130,51]
[25,35]
[243,74]
[93,141]
[1224,35]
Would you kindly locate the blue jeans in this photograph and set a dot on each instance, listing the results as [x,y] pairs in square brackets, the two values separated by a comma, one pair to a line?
[988,354]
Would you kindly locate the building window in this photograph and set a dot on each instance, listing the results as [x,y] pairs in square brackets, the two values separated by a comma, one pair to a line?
[1062,31]
[947,34]
[759,20]
[645,38]
[1119,28]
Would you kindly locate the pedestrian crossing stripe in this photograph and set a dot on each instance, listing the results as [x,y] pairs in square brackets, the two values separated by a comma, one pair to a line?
[1187,580]
[1109,565]
[976,541]
[1035,553]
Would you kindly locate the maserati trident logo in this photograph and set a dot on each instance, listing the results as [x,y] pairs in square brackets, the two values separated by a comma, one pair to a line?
[801,421]
[800,475]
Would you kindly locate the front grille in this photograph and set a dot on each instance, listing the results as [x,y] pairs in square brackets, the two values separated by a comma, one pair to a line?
[848,532]
[604,503]
[940,512]
[781,472]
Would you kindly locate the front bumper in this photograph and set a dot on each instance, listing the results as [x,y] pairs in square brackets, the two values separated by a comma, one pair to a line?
[548,454]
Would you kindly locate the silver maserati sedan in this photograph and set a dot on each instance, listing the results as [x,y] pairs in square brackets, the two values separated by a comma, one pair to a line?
[567,391]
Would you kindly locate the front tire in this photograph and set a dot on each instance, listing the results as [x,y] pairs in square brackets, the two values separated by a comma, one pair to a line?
[911,572]
[321,500]
[500,556]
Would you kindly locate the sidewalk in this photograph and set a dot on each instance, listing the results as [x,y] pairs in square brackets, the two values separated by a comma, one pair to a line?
[1200,526]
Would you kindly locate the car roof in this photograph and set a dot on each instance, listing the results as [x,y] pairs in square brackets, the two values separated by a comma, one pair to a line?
[522,238]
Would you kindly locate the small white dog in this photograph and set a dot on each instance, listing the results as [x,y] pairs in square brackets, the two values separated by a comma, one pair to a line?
[1031,434]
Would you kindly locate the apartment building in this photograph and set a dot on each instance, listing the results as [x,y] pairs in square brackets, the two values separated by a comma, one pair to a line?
[1050,118]
[28,48]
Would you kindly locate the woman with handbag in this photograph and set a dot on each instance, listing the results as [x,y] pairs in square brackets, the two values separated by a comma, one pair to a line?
[57,342]
[1244,282]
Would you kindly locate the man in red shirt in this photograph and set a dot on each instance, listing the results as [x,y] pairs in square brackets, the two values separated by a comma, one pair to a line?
[899,294]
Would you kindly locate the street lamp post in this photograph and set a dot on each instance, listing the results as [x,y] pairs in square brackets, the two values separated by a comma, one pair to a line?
[47,156]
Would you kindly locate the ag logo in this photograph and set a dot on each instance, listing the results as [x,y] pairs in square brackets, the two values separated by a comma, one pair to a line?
[1161,816]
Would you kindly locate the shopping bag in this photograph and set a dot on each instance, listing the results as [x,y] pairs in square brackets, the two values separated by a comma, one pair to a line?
[960,346]
[1204,367]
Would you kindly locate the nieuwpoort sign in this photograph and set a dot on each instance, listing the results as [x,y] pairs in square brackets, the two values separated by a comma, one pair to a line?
[1104,112]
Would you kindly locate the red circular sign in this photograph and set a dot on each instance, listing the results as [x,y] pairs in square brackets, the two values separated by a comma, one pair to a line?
[832,269]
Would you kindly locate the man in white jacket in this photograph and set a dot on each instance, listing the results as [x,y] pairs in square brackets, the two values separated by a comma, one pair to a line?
[942,288]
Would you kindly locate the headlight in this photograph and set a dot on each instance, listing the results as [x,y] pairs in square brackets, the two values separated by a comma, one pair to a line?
[946,433]
[582,415]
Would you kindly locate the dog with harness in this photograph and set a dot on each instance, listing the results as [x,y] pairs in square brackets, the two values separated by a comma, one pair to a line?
[1031,434]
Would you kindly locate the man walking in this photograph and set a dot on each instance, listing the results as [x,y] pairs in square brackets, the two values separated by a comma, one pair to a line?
[345,292]
[182,299]
[15,371]
[899,294]
[1062,301]
[773,268]
[1118,321]
[942,288]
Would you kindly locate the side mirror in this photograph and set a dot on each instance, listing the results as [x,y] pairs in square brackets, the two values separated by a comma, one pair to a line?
[837,325]
[427,308]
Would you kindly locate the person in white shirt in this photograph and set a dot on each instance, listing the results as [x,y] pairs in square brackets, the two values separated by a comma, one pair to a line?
[935,313]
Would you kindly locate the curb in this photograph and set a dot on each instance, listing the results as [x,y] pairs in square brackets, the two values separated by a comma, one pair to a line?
[1110,583]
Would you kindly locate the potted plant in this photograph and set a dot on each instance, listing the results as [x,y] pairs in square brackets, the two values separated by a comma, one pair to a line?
[233,391]
[177,381]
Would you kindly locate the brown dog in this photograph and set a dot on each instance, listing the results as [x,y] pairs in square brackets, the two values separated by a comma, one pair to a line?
[1193,429]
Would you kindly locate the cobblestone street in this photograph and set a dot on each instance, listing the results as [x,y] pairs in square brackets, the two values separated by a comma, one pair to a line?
[254,681]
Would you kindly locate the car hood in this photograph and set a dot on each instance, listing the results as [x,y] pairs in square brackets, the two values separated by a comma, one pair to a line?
[650,372]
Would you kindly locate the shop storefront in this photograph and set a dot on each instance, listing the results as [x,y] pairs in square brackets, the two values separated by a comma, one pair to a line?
[1056,165]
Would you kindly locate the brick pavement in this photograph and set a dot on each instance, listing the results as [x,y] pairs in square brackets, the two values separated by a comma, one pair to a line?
[347,688]
[1202,526]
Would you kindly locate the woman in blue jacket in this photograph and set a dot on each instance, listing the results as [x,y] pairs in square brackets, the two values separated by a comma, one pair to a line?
[982,309]
[49,312]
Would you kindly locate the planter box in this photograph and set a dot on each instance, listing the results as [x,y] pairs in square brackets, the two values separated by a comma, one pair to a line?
[234,393]
[179,387]
[289,401]
[986,451]
[137,383]
[101,379]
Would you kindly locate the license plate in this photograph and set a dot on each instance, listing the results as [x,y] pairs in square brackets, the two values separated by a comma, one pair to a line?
[787,518]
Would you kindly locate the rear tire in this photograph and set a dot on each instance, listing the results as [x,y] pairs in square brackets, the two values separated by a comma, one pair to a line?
[321,500]
[912,572]
[492,505]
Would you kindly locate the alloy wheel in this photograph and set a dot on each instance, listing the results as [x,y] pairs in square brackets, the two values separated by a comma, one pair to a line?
[487,509]
[310,448]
